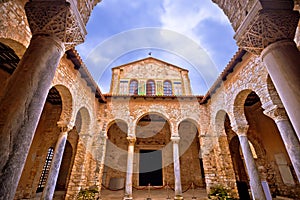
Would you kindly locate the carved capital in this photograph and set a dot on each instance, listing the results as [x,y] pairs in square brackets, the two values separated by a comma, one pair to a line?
[131,140]
[64,127]
[276,113]
[264,27]
[175,139]
[241,129]
[58,19]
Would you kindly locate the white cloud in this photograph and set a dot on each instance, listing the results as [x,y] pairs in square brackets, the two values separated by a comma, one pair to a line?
[188,16]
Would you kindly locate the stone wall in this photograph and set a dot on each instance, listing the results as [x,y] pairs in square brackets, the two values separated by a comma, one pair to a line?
[14,29]
[45,137]
[229,98]
[149,69]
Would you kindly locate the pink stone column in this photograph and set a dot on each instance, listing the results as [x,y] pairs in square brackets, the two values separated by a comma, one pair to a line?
[282,60]
[269,32]
[49,189]
[55,27]
[288,135]
[130,156]
[178,189]
[21,107]
[255,182]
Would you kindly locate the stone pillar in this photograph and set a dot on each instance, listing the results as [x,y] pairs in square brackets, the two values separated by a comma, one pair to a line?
[255,182]
[282,60]
[55,28]
[289,138]
[49,189]
[130,156]
[270,33]
[178,190]
[102,161]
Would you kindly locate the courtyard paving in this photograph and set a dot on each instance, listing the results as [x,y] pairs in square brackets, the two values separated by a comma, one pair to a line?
[158,194]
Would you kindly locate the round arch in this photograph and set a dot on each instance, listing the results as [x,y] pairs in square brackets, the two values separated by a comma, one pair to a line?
[191,120]
[272,93]
[239,117]
[117,121]
[163,115]
[219,121]
[15,45]
[83,121]
[67,104]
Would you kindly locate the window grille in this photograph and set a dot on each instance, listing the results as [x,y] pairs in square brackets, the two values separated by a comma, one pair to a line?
[133,87]
[45,171]
[150,87]
[168,88]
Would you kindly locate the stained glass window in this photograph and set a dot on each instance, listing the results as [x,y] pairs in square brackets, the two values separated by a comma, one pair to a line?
[133,87]
[168,88]
[150,87]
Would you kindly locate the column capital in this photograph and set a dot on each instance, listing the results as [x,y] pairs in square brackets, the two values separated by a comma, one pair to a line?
[241,130]
[59,19]
[276,113]
[64,127]
[262,27]
[175,139]
[131,140]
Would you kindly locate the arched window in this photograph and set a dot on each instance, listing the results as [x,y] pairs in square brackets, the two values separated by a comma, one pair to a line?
[133,87]
[168,88]
[150,87]
[45,171]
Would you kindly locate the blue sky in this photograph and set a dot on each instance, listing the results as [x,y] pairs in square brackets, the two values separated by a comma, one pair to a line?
[194,35]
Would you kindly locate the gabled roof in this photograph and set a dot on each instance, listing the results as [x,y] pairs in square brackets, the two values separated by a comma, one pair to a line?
[148,59]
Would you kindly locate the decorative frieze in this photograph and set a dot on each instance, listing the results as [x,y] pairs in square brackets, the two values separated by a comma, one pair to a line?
[264,27]
[60,19]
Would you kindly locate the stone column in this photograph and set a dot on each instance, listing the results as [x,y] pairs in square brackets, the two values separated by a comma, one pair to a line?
[270,33]
[282,60]
[99,150]
[289,138]
[49,189]
[178,190]
[130,156]
[55,28]
[255,182]
[102,161]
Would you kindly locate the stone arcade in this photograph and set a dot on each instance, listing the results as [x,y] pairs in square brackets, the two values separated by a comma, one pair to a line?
[60,134]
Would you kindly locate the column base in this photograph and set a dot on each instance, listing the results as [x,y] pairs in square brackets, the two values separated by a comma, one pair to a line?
[178,197]
[127,198]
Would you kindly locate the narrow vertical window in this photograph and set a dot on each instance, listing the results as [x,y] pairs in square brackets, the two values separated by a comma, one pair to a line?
[168,88]
[133,87]
[45,171]
[177,88]
[150,87]
[123,87]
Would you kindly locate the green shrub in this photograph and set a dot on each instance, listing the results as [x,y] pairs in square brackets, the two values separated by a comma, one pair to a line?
[220,193]
[88,194]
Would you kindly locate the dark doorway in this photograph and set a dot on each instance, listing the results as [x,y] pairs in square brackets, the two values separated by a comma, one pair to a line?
[243,190]
[150,168]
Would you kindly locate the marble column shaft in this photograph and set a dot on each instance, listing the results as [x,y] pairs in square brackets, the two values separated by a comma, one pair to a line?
[255,182]
[178,189]
[291,143]
[55,166]
[21,106]
[282,60]
[130,156]
[102,160]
